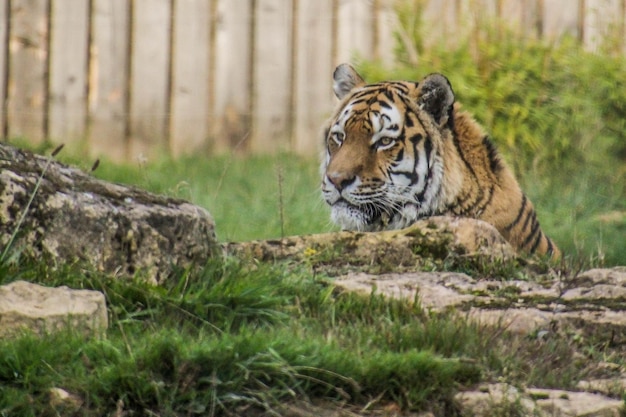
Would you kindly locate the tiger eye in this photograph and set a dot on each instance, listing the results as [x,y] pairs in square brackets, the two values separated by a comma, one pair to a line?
[337,137]
[385,141]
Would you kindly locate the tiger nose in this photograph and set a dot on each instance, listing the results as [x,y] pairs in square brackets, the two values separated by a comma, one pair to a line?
[341,179]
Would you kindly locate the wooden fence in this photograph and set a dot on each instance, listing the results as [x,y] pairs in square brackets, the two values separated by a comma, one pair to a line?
[125,78]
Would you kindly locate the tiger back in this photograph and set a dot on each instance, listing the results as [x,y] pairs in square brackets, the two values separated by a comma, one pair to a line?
[399,151]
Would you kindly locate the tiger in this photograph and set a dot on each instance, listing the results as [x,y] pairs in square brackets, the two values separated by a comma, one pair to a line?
[399,151]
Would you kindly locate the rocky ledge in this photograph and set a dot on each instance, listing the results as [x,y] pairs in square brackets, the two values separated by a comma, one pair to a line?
[53,212]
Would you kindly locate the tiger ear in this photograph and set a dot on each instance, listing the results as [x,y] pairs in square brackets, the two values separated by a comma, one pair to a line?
[345,79]
[436,97]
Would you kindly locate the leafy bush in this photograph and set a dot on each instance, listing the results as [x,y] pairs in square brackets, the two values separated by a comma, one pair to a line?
[539,100]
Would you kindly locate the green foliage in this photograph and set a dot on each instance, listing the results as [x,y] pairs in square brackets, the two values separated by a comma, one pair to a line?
[540,101]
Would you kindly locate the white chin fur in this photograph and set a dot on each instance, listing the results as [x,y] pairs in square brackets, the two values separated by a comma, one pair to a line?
[349,218]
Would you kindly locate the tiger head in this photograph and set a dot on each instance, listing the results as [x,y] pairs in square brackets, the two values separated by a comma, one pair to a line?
[382,167]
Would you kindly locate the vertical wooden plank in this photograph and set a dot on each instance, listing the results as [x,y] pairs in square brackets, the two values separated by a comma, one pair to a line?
[28,48]
[271,115]
[523,16]
[355,37]
[602,20]
[4,33]
[190,76]
[483,14]
[108,79]
[622,26]
[67,103]
[384,40]
[560,17]
[149,78]
[231,116]
[440,18]
[482,11]
[313,66]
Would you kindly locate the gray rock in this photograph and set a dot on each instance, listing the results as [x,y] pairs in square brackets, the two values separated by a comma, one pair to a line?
[501,397]
[24,305]
[576,404]
[522,307]
[436,237]
[607,386]
[116,229]
[63,400]
[536,402]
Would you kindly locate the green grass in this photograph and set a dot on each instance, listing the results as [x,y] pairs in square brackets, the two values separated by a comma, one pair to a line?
[235,337]
[582,206]
[225,338]
[244,195]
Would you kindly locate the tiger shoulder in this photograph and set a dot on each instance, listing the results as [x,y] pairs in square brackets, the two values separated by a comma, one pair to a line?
[400,151]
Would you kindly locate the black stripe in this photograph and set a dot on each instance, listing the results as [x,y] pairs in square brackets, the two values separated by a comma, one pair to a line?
[536,244]
[416,138]
[457,145]
[361,95]
[519,215]
[358,100]
[412,176]
[385,104]
[550,247]
[468,207]
[492,154]
[389,94]
[463,205]
[533,232]
[488,201]
[428,148]
[420,196]
[399,156]
[400,86]
[408,120]
[531,219]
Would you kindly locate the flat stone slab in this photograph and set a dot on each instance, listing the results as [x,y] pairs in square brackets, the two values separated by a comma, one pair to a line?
[607,386]
[538,402]
[575,404]
[24,305]
[593,301]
